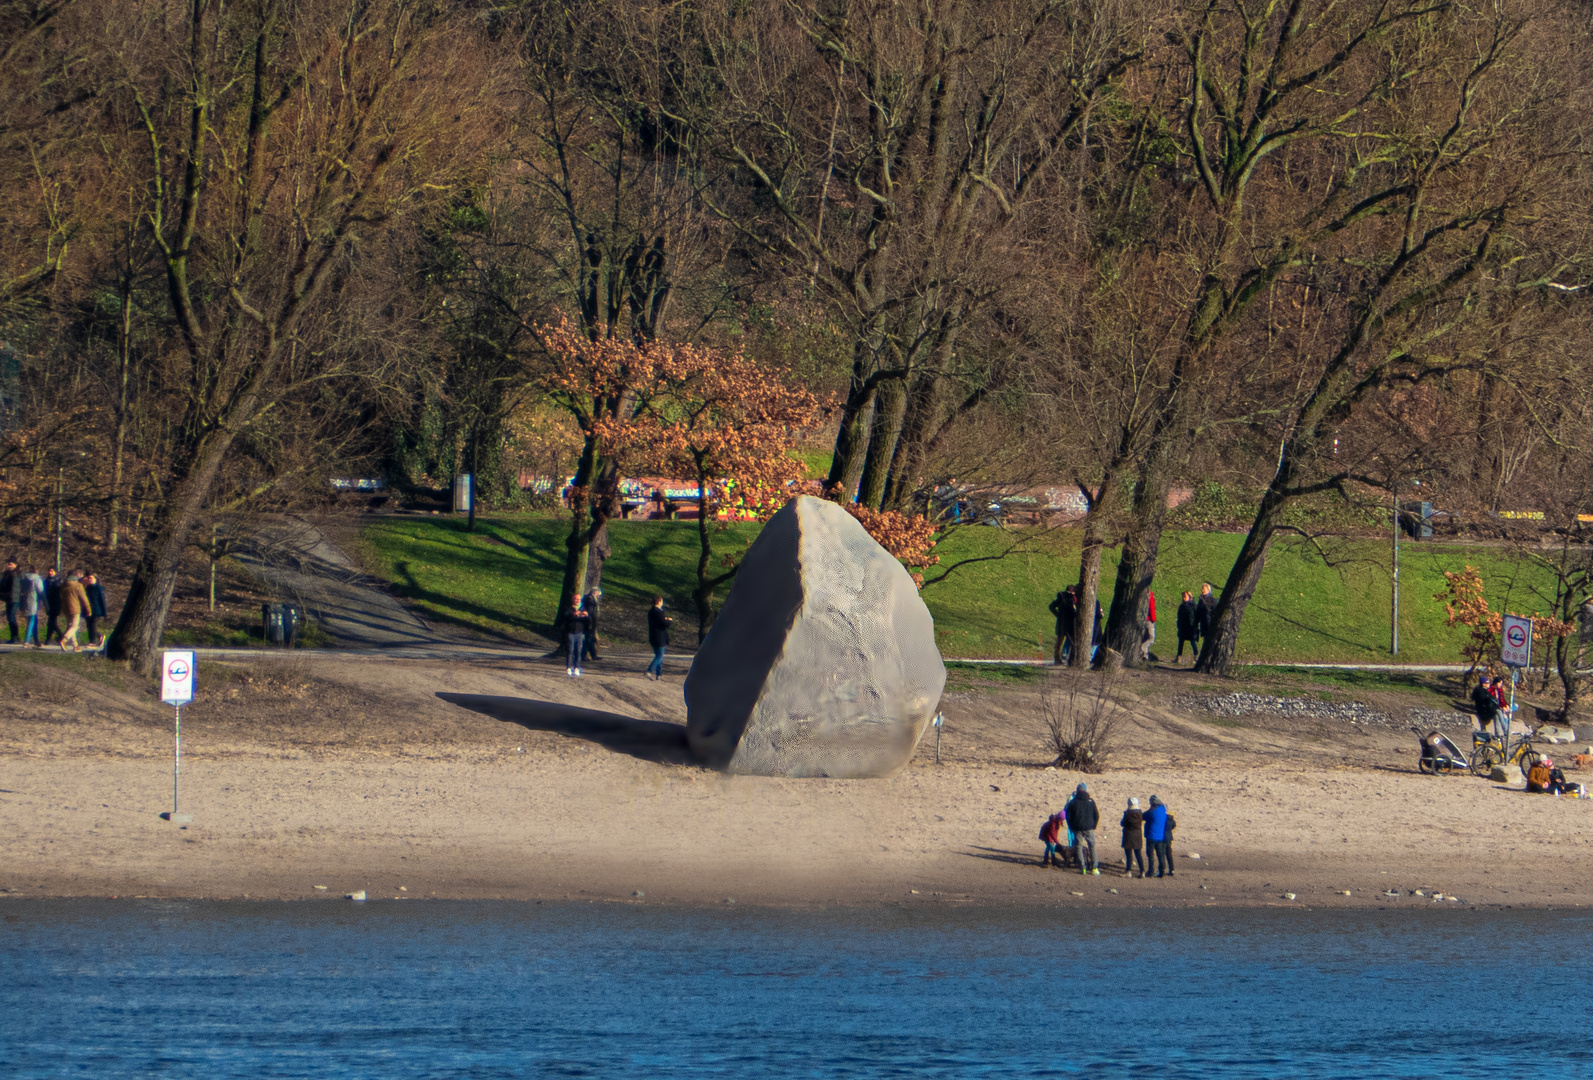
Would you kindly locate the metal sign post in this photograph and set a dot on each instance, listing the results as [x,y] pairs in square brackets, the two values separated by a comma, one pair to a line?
[176,690]
[940,723]
[1515,651]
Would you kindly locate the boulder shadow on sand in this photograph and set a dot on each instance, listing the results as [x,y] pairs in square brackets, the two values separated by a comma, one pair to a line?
[650,740]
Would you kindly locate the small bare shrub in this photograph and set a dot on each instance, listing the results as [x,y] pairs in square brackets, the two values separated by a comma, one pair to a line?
[1080,715]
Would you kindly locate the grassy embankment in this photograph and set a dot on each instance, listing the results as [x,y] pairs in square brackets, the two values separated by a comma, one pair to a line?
[503,580]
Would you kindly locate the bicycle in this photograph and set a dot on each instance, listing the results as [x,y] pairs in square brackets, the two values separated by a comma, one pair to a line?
[1489,751]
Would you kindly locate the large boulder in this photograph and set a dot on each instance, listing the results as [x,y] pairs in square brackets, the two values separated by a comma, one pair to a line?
[822,661]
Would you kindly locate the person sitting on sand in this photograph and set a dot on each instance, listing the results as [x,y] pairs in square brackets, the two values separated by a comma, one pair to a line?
[1556,784]
[1133,838]
[1538,777]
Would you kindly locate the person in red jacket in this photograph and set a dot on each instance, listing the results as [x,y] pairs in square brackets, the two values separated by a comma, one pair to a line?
[1149,638]
[1053,848]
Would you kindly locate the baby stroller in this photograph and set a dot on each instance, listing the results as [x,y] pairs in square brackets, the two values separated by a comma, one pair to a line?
[1440,755]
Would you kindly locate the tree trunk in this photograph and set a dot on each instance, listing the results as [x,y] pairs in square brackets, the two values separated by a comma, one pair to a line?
[703,594]
[851,442]
[890,407]
[1089,586]
[1136,568]
[577,544]
[136,638]
[1222,640]
[908,462]
[124,349]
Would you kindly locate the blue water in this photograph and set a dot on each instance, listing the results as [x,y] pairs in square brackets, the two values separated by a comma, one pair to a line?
[502,989]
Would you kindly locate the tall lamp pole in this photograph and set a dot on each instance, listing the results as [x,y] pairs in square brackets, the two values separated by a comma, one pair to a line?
[1393,646]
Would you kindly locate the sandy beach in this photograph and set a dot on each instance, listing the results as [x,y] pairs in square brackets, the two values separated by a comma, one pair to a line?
[312,778]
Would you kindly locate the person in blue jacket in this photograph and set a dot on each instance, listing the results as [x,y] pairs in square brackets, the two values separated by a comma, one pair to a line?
[1159,825]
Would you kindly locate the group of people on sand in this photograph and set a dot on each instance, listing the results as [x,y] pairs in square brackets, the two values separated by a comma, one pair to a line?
[29,596]
[1143,829]
[1193,622]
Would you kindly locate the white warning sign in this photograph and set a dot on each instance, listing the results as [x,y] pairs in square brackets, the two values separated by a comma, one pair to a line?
[1515,642]
[177,677]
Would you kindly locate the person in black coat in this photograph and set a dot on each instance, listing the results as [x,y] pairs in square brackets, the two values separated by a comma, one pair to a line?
[590,603]
[1206,607]
[1188,627]
[1487,707]
[657,636]
[52,604]
[11,596]
[577,624]
[1082,818]
[96,612]
[1065,608]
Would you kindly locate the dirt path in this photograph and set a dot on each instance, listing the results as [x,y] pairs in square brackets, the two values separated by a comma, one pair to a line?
[300,564]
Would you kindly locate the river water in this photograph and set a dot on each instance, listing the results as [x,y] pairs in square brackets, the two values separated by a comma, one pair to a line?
[509,989]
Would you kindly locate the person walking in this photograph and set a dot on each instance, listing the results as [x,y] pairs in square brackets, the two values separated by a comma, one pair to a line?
[1066,611]
[11,596]
[32,605]
[74,604]
[1095,634]
[1050,833]
[1159,837]
[1133,838]
[1487,708]
[590,603]
[1149,638]
[1082,818]
[657,636]
[96,612]
[576,625]
[1187,633]
[1206,607]
[52,604]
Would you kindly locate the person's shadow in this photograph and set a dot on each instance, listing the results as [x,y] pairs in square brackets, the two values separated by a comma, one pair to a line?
[650,740]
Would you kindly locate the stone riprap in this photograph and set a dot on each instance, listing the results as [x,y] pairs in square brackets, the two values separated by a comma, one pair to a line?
[822,661]
[1355,712]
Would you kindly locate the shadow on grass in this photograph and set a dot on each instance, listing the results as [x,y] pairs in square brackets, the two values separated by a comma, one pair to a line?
[451,609]
[1317,630]
[650,740]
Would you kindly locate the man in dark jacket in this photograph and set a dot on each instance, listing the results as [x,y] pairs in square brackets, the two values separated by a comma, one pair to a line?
[52,604]
[1066,611]
[96,612]
[589,604]
[1487,707]
[577,624]
[1188,613]
[1082,818]
[11,596]
[657,636]
[1206,607]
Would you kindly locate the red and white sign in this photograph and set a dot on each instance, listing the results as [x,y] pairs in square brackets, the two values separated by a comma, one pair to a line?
[1515,642]
[177,677]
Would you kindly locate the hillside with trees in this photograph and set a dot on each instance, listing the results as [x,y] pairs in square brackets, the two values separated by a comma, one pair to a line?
[1306,258]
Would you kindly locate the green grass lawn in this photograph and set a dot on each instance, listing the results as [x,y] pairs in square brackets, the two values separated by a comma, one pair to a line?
[504,578]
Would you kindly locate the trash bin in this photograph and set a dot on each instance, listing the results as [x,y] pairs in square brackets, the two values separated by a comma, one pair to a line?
[281,623]
[271,622]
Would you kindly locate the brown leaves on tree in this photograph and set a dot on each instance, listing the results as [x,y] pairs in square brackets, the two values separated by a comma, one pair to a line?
[1464,605]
